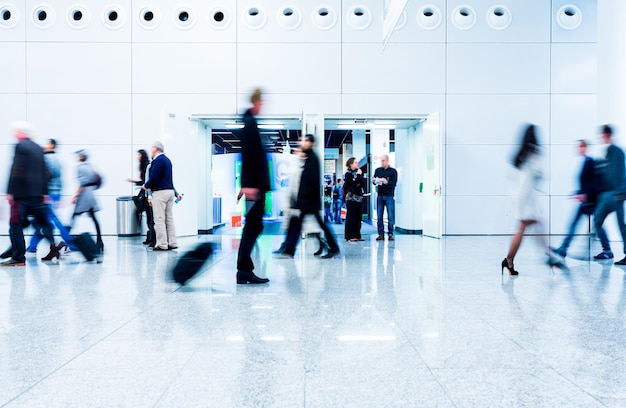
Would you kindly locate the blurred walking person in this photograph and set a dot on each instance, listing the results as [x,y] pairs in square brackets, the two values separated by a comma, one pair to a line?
[308,200]
[55,185]
[528,163]
[611,198]
[84,199]
[255,182]
[586,195]
[27,195]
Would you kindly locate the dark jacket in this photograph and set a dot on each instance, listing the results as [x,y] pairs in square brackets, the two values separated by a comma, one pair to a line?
[160,177]
[309,193]
[611,172]
[254,167]
[391,175]
[29,175]
[353,184]
[587,184]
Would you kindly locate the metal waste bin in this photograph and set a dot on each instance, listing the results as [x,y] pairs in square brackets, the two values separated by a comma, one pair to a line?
[127,223]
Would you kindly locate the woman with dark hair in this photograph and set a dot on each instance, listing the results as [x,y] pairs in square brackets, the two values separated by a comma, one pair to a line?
[141,200]
[528,163]
[353,188]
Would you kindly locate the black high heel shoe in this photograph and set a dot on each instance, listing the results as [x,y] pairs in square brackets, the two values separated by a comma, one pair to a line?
[323,246]
[54,253]
[505,264]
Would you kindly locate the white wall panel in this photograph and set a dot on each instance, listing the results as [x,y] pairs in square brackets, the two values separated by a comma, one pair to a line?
[13,109]
[565,167]
[413,32]
[574,68]
[374,14]
[562,210]
[479,170]
[197,28]
[183,68]
[13,67]
[289,68]
[278,30]
[498,68]
[78,68]
[484,215]
[530,22]
[14,29]
[392,104]
[92,25]
[293,104]
[400,68]
[72,118]
[573,117]
[585,32]
[494,119]
[150,111]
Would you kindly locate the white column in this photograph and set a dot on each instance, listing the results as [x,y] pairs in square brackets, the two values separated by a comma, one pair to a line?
[612,65]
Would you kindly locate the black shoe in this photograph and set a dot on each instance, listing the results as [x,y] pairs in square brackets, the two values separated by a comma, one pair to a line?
[7,254]
[323,246]
[244,277]
[280,250]
[621,261]
[330,255]
[146,242]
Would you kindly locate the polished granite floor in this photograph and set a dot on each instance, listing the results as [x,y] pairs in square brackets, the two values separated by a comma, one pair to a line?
[417,322]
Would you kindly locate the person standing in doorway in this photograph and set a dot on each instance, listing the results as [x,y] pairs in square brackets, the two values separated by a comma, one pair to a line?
[353,190]
[385,179]
[337,201]
[160,182]
[255,183]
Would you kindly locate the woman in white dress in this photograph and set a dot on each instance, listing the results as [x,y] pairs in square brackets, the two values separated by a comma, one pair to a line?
[528,163]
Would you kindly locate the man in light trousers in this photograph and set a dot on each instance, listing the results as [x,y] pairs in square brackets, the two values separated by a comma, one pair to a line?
[161,183]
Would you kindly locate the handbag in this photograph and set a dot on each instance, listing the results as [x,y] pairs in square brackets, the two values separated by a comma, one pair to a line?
[354,197]
[140,200]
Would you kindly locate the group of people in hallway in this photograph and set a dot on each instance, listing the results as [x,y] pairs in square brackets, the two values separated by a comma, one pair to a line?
[34,193]
[307,201]
[602,192]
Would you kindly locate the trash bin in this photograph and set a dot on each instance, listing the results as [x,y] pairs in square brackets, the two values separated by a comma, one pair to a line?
[127,223]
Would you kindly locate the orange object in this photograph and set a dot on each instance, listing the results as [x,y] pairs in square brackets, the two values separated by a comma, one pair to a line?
[235,219]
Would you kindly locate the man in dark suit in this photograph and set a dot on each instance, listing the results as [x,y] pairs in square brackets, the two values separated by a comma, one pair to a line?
[27,195]
[255,182]
[586,195]
[308,201]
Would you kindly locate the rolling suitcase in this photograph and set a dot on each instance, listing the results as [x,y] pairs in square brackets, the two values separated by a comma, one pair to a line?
[87,246]
[191,262]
